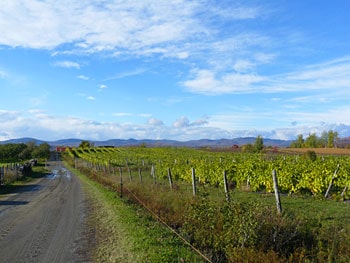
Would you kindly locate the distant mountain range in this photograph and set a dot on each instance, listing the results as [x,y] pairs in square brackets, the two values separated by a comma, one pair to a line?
[220,143]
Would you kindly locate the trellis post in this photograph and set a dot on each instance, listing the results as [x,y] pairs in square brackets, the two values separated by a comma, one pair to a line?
[170,178]
[226,187]
[194,181]
[277,195]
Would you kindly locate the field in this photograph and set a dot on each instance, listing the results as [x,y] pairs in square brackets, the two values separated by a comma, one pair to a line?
[311,228]
[319,151]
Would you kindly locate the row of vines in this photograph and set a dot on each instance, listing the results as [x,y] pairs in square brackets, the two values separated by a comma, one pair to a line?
[296,174]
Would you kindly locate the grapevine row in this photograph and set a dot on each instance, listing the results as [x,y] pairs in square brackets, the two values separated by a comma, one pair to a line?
[295,173]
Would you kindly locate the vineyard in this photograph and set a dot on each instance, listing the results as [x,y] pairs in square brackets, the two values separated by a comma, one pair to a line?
[232,231]
[296,174]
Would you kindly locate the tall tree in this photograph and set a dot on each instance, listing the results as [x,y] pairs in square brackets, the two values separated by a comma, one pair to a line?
[311,141]
[332,137]
[259,144]
[298,143]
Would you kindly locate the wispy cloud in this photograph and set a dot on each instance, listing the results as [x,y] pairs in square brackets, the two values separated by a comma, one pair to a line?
[207,83]
[67,64]
[126,74]
[122,114]
[142,27]
[329,76]
[86,96]
[3,74]
[83,77]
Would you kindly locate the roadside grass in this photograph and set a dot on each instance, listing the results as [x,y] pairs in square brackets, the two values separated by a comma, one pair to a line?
[127,233]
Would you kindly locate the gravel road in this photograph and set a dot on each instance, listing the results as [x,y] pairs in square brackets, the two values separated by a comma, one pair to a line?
[45,220]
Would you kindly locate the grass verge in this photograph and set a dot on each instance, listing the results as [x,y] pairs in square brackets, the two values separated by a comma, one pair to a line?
[126,233]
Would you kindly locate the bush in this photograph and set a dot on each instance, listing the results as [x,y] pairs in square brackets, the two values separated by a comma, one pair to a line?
[310,155]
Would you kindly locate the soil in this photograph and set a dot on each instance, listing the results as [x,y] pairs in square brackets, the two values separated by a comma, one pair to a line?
[47,220]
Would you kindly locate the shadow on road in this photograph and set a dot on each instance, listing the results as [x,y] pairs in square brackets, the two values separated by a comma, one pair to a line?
[13,202]
[19,188]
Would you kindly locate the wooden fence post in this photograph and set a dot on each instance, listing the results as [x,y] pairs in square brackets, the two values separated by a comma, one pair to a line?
[344,191]
[170,178]
[194,181]
[130,176]
[331,182]
[226,187]
[277,195]
[2,176]
[140,175]
[121,182]
[153,173]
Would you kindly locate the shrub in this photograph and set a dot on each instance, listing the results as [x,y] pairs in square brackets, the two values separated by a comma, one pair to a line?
[310,155]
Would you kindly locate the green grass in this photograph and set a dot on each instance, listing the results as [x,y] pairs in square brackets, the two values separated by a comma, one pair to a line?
[330,212]
[127,233]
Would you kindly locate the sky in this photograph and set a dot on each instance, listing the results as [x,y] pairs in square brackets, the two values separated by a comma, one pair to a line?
[174,69]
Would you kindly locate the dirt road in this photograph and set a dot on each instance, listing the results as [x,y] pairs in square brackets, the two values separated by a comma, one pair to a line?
[45,221]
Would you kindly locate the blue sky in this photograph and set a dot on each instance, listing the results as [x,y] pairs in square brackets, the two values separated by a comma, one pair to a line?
[176,69]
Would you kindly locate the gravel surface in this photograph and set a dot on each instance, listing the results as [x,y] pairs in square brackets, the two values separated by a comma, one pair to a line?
[46,220]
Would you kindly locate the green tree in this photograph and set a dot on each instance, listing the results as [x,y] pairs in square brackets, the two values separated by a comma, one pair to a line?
[311,141]
[12,152]
[85,144]
[41,151]
[298,143]
[332,137]
[27,152]
[259,144]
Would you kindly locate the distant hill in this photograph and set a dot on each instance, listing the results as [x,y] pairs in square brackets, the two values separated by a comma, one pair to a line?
[220,143]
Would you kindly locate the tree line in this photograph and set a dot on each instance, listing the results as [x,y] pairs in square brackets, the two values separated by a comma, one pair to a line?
[328,139]
[16,152]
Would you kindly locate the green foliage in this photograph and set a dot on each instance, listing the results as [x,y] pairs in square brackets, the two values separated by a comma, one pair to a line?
[310,155]
[226,231]
[298,143]
[247,148]
[85,144]
[238,231]
[13,152]
[41,151]
[327,139]
[251,171]
[259,144]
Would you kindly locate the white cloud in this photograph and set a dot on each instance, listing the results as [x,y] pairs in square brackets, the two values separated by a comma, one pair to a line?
[155,122]
[121,114]
[181,122]
[242,65]
[83,77]
[120,27]
[94,26]
[38,124]
[102,86]
[67,64]
[205,82]
[332,76]
[126,74]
